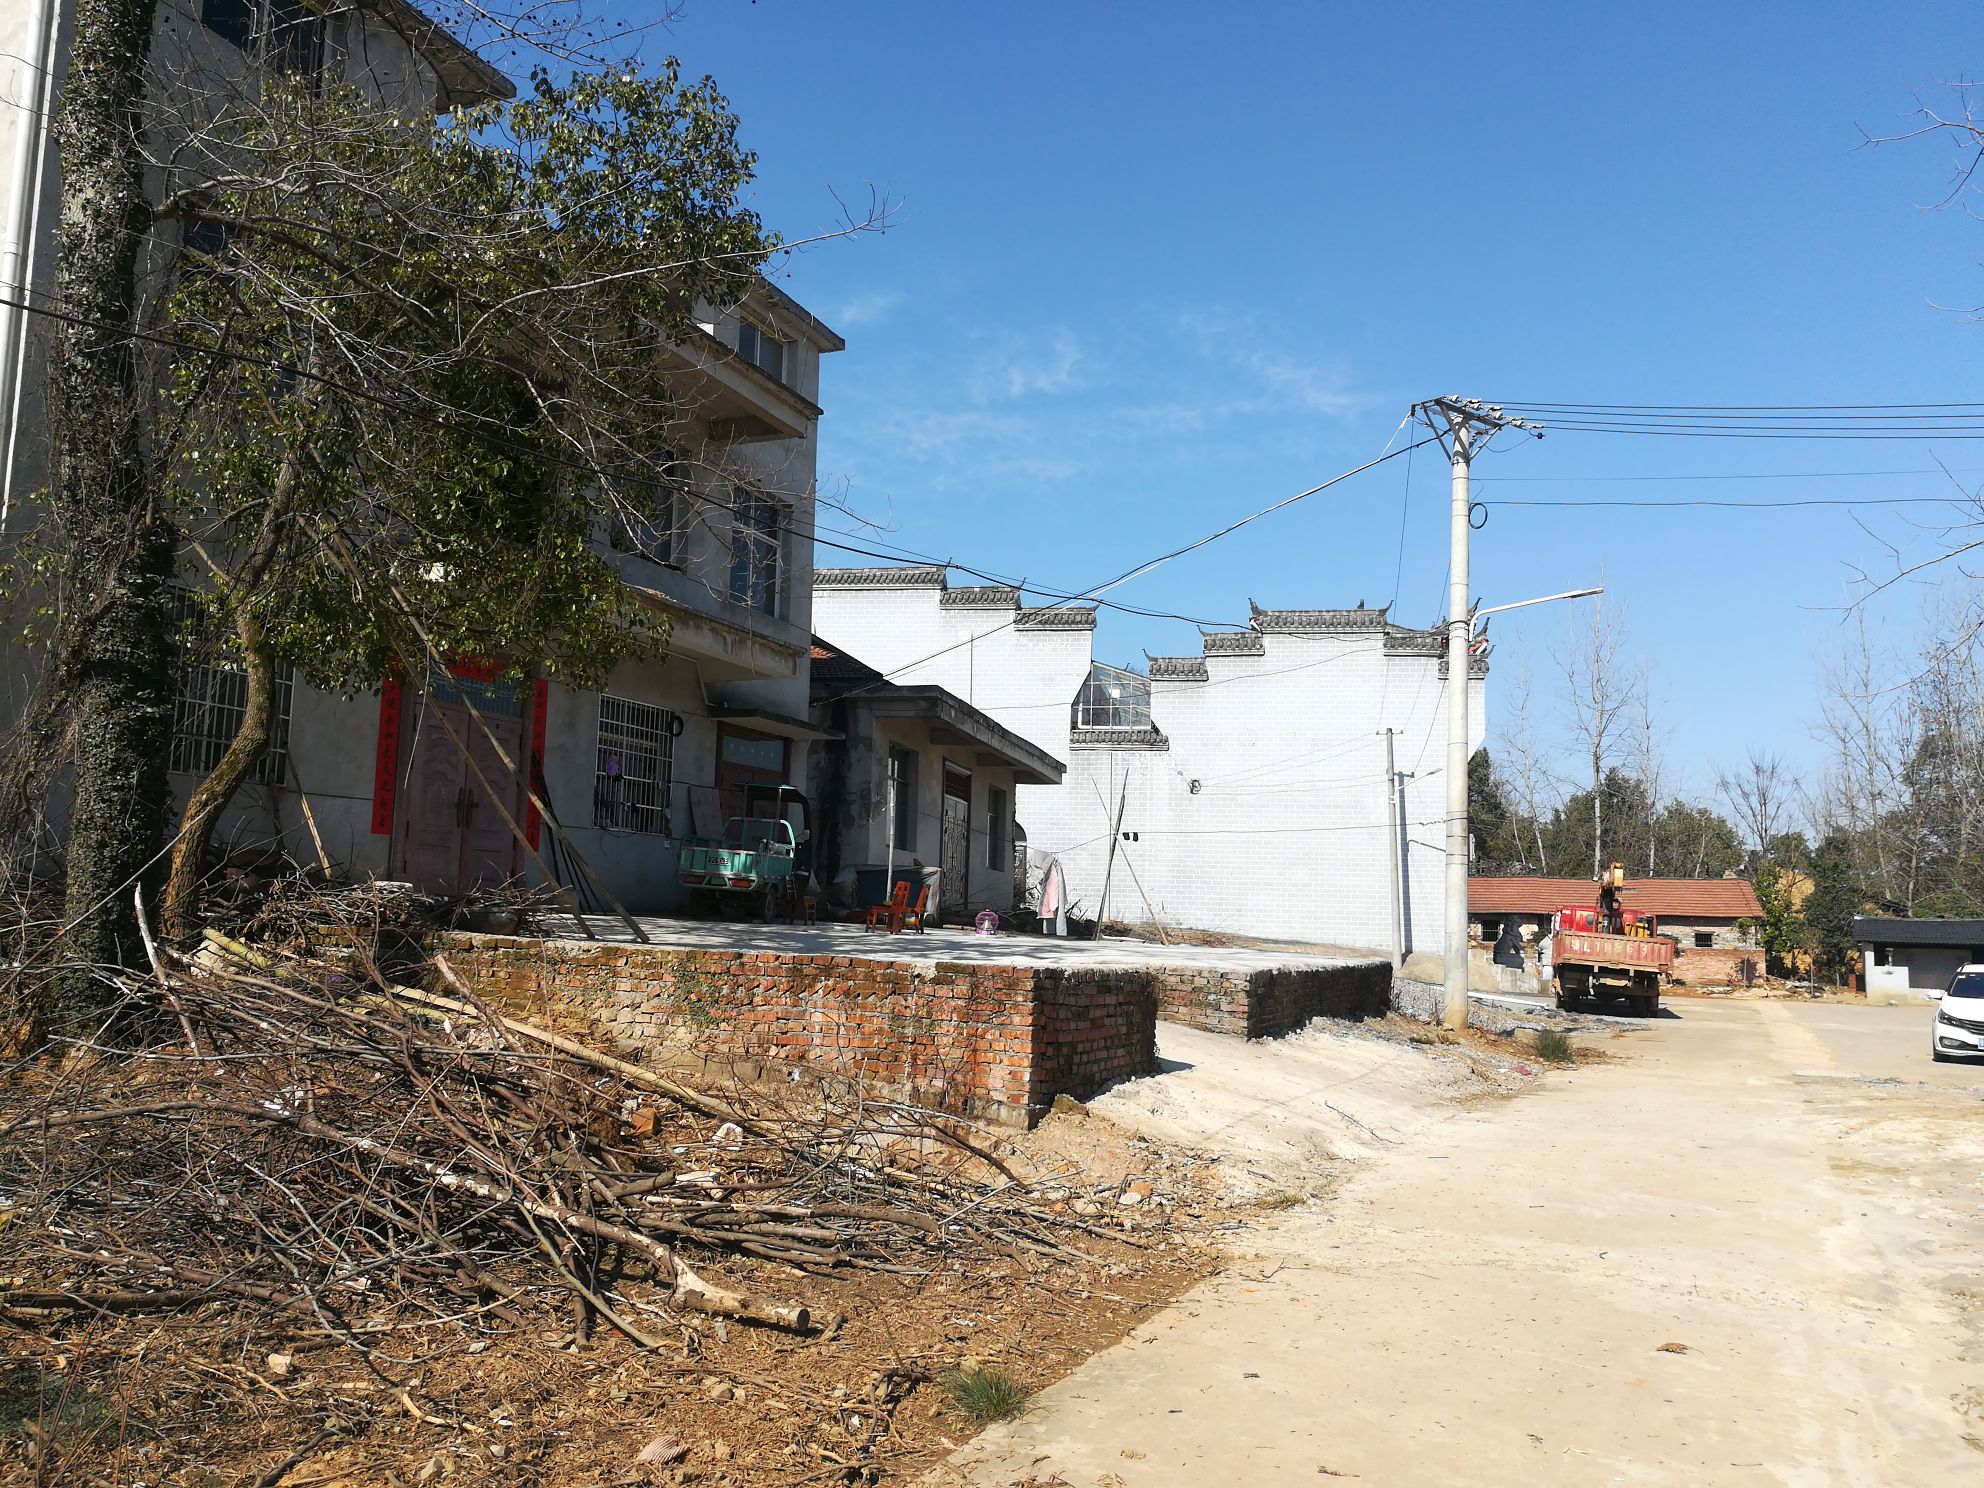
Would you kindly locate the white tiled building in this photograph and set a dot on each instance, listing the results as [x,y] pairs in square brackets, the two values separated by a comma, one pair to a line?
[1253,795]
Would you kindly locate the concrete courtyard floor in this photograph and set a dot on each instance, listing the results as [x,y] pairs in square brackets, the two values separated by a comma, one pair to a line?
[1745,1251]
[946,945]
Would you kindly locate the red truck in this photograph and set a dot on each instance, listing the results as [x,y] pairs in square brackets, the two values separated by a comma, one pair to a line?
[1606,950]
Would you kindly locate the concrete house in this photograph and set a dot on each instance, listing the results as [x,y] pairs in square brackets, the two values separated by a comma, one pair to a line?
[1914,957]
[1713,920]
[955,774]
[666,747]
[1250,776]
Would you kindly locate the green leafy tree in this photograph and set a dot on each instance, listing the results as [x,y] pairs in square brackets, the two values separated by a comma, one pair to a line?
[425,374]
[1781,931]
[1838,894]
[1492,821]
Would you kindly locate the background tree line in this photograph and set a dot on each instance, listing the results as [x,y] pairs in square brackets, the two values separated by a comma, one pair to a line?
[1893,824]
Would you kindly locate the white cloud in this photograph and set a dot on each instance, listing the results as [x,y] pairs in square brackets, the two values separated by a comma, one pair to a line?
[1047,364]
[871,308]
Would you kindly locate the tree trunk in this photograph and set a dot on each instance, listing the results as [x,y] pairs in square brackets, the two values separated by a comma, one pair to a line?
[119,548]
[251,737]
[1597,815]
[180,911]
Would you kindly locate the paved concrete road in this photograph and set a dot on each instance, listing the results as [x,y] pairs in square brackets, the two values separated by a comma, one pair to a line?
[1790,1195]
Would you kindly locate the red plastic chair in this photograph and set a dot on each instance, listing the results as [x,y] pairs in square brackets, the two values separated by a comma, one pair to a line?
[896,906]
[901,914]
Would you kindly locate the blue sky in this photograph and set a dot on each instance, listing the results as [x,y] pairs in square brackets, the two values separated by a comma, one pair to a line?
[1156,265]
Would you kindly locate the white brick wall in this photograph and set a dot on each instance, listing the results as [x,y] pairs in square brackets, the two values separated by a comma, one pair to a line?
[1284,836]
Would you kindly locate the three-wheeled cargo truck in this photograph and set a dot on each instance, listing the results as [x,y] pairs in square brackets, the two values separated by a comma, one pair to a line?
[761,864]
[1607,950]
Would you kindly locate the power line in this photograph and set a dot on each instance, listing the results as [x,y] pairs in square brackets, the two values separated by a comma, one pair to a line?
[1884,421]
[1728,408]
[1138,570]
[1751,475]
[1746,505]
[495,440]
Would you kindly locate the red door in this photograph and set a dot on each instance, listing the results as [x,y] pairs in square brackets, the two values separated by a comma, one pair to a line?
[489,847]
[452,836]
[430,847]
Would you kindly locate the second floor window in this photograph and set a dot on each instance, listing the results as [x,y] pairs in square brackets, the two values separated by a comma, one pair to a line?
[289,34]
[761,349]
[651,519]
[757,552]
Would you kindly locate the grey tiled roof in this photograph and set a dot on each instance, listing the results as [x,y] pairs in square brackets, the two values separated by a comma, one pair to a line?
[1178,669]
[1147,737]
[1964,933]
[1414,643]
[1301,622]
[1237,643]
[1007,595]
[896,576]
[1056,618]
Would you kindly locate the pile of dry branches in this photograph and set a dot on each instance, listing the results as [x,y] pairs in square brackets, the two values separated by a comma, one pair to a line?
[320,1145]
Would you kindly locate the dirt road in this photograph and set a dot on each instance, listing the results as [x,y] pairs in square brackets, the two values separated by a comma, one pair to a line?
[1749,1251]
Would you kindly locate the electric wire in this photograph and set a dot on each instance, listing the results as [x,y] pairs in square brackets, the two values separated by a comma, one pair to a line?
[495,440]
[1138,570]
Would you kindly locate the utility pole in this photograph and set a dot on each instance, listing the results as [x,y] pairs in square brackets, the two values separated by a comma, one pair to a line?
[1391,841]
[1109,865]
[1464,426]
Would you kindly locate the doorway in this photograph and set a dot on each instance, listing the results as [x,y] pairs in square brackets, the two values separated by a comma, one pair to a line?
[745,757]
[452,836]
[954,853]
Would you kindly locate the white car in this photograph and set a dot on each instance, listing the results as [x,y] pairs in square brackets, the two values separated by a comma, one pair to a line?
[1958,1029]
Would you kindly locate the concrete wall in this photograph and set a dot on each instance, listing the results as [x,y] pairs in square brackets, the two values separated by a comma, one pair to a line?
[994,1041]
[1916,970]
[1265,814]
[1270,1004]
[1023,675]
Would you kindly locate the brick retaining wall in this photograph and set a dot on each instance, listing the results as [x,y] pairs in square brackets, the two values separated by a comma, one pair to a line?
[996,1041]
[1268,1004]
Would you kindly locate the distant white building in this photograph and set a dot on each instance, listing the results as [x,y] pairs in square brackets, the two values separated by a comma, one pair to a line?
[1250,776]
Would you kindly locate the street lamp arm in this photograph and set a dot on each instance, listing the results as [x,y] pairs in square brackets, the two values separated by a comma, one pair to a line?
[1523,604]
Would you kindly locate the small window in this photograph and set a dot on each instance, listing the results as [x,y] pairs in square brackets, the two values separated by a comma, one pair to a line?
[1704,940]
[757,552]
[233,21]
[761,349]
[295,37]
[290,33]
[204,241]
[902,779]
[998,830]
[635,767]
[652,517]
[211,699]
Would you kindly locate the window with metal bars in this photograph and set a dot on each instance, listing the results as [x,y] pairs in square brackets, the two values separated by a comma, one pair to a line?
[636,766]
[211,699]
